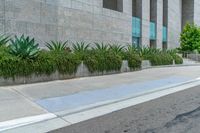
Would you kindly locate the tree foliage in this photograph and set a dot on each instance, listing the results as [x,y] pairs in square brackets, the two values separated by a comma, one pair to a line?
[190,38]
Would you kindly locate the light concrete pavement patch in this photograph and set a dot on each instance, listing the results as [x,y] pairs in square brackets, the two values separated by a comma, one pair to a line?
[13,106]
[86,98]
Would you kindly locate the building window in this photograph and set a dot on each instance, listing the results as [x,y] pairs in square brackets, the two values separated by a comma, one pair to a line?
[116,5]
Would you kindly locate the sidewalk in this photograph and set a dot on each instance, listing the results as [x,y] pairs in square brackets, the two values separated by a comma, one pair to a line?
[46,101]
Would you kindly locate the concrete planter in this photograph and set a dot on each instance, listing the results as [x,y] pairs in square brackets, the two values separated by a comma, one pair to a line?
[82,71]
[146,64]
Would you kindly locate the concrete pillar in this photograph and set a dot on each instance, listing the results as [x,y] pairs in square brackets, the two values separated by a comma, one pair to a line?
[187,12]
[145,22]
[159,22]
[197,12]
[190,12]
[2,16]
[127,7]
[174,20]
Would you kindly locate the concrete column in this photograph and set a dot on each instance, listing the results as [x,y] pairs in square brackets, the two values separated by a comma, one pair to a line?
[159,23]
[145,22]
[187,12]
[190,12]
[127,7]
[197,12]
[174,19]
[2,16]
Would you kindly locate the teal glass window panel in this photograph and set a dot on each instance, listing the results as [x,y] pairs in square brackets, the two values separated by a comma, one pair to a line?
[164,34]
[136,22]
[152,31]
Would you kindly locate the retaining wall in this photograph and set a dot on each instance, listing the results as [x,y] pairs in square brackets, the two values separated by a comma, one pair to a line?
[82,71]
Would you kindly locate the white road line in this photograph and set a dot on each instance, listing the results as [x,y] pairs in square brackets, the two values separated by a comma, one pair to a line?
[25,121]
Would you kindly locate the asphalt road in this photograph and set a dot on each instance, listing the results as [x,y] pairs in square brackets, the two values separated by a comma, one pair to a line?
[175,113]
[181,109]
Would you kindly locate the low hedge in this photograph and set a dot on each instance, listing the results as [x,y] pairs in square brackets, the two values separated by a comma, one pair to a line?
[177,59]
[45,63]
[97,61]
[134,60]
[159,59]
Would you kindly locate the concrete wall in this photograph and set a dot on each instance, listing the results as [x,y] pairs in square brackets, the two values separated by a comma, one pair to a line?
[197,12]
[66,20]
[187,12]
[87,20]
[157,17]
[174,22]
[144,6]
[190,12]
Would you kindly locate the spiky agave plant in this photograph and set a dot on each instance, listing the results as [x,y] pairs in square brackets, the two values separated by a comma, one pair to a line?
[102,47]
[132,49]
[24,47]
[116,48]
[58,46]
[4,40]
[149,51]
[80,47]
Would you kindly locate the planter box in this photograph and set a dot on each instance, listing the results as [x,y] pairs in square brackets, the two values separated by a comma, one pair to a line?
[82,71]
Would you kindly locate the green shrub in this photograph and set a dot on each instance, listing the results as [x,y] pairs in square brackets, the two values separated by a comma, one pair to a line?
[66,63]
[58,46]
[159,59]
[190,38]
[134,61]
[24,47]
[148,51]
[177,59]
[117,49]
[45,63]
[80,49]
[102,61]
[101,47]
[11,66]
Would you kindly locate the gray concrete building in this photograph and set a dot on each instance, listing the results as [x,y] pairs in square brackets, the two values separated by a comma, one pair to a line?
[155,23]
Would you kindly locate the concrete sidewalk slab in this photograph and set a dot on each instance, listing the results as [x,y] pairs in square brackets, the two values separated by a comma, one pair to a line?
[62,88]
[87,98]
[13,105]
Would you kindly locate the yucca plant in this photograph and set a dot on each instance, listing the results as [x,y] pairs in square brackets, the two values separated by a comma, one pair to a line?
[80,47]
[24,47]
[101,47]
[149,51]
[4,40]
[58,46]
[132,49]
[171,51]
[118,49]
